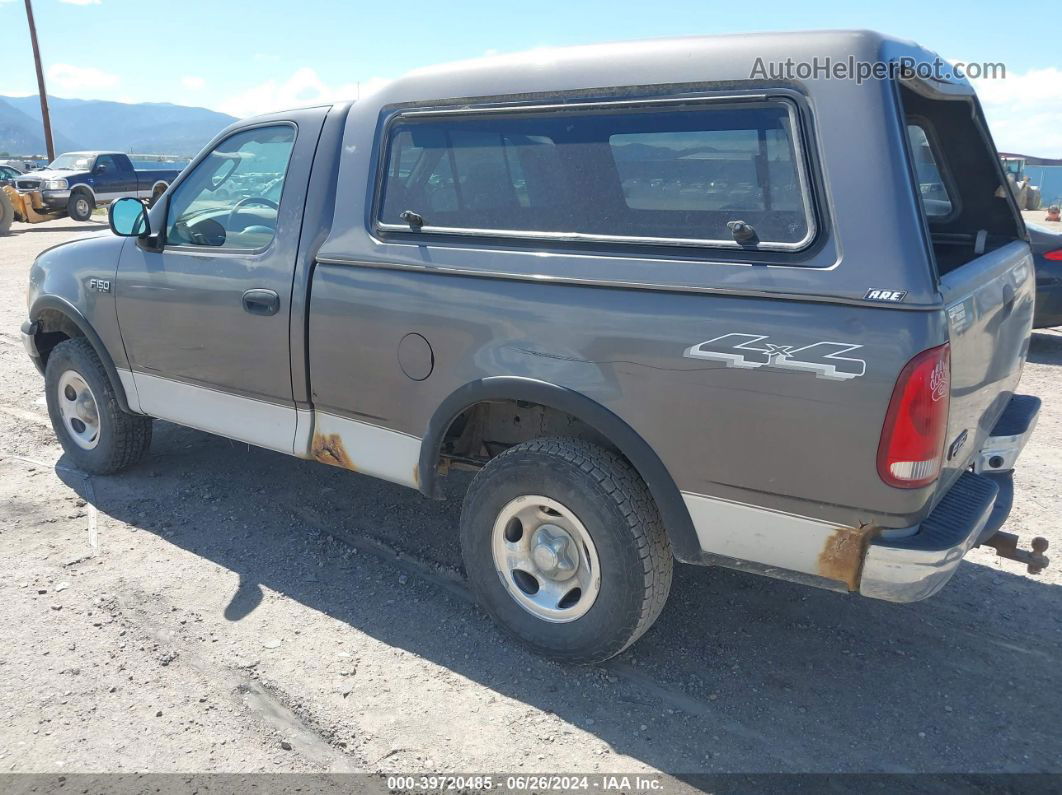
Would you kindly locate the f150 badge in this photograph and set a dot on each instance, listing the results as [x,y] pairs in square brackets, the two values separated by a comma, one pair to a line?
[749,351]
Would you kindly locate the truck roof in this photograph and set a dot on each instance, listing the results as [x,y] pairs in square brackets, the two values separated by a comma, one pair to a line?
[693,59]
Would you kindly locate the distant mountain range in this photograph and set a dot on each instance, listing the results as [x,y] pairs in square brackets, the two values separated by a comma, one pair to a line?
[144,128]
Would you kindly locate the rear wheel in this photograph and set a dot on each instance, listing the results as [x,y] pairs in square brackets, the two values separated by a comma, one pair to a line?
[564,547]
[80,206]
[94,431]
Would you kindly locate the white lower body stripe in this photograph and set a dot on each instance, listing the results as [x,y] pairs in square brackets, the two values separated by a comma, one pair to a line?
[331,439]
[245,419]
[775,539]
[366,448]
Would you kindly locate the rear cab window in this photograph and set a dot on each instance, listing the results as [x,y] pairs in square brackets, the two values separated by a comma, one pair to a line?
[664,173]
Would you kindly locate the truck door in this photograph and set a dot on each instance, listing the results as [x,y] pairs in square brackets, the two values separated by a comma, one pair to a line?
[205,320]
[113,178]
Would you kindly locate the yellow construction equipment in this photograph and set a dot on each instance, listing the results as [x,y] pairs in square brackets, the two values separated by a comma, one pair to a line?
[26,207]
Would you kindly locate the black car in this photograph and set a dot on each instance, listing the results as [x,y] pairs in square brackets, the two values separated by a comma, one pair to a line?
[1047,255]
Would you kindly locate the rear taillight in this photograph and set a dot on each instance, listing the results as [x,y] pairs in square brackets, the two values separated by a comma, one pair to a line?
[1054,256]
[912,439]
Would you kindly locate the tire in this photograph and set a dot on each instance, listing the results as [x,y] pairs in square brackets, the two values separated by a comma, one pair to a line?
[543,485]
[7,212]
[120,439]
[80,206]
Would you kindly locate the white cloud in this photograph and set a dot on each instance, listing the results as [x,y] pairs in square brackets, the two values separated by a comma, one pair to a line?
[81,2]
[65,77]
[303,88]
[192,82]
[1024,111]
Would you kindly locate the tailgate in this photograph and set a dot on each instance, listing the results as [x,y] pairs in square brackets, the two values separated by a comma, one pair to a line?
[990,302]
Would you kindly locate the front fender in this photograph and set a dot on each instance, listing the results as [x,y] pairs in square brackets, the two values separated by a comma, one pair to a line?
[43,310]
[75,281]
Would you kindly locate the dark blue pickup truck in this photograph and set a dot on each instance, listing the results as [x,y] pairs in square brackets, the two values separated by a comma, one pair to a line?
[78,182]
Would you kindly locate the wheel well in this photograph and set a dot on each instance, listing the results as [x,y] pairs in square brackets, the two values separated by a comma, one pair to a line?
[479,420]
[488,428]
[54,327]
[58,321]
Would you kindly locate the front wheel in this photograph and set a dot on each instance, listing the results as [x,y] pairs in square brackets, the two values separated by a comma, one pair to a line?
[564,547]
[80,206]
[93,429]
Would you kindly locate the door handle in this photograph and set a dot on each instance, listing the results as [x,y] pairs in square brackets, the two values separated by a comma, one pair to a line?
[261,302]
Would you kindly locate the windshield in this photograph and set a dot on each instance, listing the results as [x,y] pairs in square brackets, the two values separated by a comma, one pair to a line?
[72,162]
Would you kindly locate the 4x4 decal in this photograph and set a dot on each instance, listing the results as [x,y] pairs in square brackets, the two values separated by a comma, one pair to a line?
[749,351]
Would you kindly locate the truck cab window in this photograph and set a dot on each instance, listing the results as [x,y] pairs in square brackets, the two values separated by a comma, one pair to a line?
[232,197]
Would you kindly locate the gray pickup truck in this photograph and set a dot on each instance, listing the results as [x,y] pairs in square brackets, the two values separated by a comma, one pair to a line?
[665,306]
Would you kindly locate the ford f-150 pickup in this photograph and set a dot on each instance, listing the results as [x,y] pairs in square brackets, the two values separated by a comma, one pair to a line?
[78,182]
[663,309]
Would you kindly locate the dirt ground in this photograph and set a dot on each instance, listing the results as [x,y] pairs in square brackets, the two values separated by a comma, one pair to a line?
[224,608]
[1040,217]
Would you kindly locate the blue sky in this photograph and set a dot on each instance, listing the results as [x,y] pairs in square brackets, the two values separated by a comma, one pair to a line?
[245,57]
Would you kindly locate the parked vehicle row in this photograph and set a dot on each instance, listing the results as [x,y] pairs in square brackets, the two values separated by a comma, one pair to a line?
[661,309]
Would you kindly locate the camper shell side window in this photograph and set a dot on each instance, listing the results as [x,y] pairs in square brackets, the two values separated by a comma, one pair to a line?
[727,174]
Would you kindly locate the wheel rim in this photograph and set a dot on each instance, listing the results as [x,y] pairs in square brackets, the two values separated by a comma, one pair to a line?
[77,407]
[546,559]
[82,206]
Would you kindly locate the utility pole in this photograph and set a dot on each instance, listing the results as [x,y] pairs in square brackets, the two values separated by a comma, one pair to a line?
[40,84]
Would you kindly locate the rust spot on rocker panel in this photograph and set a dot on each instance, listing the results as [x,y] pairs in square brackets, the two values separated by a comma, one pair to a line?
[330,450]
[843,553]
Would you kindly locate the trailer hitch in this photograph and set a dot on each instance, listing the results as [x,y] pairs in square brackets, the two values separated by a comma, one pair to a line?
[1006,546]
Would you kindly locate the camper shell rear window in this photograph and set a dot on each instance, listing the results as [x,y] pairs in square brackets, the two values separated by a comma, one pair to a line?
[657,173]
[961,188]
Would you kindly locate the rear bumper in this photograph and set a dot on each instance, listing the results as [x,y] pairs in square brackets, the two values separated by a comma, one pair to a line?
[917,566]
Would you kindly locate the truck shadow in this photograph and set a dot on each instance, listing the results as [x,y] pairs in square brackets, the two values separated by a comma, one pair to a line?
[740,673]
[1045,348]
[73,226]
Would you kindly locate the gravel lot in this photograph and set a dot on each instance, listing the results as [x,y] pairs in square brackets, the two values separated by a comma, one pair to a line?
[225,608]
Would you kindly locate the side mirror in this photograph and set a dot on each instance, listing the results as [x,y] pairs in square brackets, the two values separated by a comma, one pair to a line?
[100,169]
[128,218]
